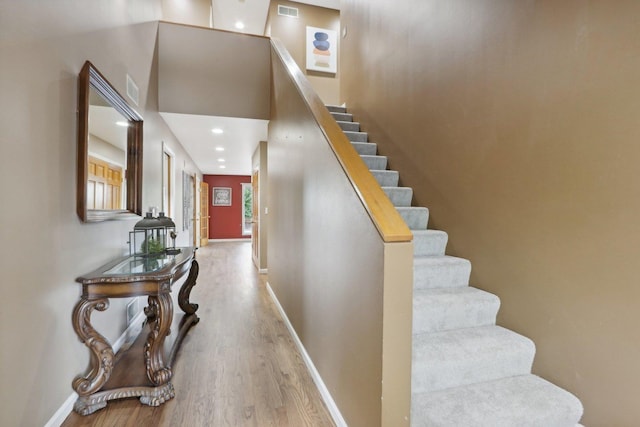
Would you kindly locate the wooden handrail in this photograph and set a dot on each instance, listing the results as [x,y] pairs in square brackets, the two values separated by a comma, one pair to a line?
[384,215]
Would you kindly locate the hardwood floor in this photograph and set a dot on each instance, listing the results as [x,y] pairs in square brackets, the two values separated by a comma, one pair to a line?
[237,367]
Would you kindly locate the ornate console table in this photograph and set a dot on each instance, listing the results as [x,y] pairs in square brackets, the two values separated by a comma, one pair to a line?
[126,277]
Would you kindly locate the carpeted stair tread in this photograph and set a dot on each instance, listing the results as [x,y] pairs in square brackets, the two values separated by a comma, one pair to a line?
[386,178]
[415,217]
[440,272]
[357,136]
[519,401]
[429,242]
[443,309]
[399,196]
[460,357]
[365,148]
[342,117]
[349,126]
[336,109]
[375,162]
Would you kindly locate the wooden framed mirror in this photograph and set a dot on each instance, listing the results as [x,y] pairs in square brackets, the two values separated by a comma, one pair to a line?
[109,181]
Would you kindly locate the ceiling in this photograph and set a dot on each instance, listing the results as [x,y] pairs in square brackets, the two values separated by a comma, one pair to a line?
[235,146]
[241,136]
[253,13]
[105,124]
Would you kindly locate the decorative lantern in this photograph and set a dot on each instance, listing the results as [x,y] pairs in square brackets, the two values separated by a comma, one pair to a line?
[170,234]
[148,237]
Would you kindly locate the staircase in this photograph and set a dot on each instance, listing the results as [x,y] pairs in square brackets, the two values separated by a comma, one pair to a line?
[466,370]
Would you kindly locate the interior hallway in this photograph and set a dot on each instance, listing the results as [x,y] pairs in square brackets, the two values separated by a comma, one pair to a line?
[237,367]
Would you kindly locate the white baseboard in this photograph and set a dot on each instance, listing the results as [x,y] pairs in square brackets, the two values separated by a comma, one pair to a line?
[324,392]
[63,412]
[127,336]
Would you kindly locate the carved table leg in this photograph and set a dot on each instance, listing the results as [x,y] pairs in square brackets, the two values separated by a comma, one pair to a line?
[185,290]
[190,318]
[101,356]
[162,308]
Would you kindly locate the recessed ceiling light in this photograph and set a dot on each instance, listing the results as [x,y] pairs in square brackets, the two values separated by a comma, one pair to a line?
[223,167]
[221,160]
[239,25]
[217,131]
[219,148]
[123,124]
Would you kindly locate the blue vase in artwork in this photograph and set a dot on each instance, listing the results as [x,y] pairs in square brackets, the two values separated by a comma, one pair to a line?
[321,51]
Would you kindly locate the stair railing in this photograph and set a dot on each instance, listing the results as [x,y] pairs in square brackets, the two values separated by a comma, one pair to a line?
[385,217]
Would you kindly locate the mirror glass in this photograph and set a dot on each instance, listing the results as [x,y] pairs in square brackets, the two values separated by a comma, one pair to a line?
[107,155]
[109,151]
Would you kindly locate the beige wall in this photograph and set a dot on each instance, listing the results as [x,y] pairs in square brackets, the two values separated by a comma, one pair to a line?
[517,125]
[190,57]
[43,46]
[324,257]
[191,12]
[292,32]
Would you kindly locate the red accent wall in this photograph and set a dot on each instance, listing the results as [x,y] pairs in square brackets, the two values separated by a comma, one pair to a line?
[225,222]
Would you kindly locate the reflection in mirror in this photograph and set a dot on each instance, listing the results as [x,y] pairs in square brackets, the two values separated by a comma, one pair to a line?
[109,151]
[107,155]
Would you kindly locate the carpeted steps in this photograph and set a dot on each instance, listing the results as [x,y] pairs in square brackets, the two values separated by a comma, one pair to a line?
[519,401]
[429,242]
[399,196]
[386,178]
[453,308]
[459,357]
[466,371]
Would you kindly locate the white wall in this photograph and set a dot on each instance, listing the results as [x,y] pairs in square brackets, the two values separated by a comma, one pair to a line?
[45,247]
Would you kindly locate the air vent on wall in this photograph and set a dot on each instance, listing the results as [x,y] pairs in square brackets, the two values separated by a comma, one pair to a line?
[287,11]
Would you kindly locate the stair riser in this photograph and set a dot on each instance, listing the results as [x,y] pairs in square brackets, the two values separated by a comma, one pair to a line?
[378,163]
[440,272]
[429,243]
[342,117]
[365,148]
[336,109]
[439,310]
[386,178]
[350,126]
[416,218]
[399,196]
[468,356]
[357,136]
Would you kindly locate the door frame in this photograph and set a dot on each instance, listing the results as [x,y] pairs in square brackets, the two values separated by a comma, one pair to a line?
[204,212]
[255,219]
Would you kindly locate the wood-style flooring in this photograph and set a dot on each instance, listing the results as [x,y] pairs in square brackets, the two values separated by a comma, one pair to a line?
[237,367]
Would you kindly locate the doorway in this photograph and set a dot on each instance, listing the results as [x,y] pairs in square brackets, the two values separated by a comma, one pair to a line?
[247,209]
[204,214]
[255,224]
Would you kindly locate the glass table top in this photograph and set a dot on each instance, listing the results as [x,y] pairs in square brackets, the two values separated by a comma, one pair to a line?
[133,268]
[140,264]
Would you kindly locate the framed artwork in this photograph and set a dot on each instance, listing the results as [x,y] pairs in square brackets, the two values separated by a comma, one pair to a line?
[322,50]
[187,201]
[221,196]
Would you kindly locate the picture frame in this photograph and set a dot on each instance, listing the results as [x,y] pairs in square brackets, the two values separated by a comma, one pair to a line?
[187,201]
[221,196]
[322,50]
